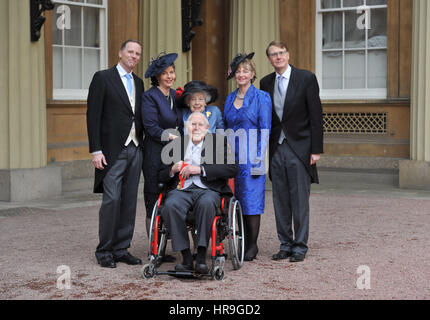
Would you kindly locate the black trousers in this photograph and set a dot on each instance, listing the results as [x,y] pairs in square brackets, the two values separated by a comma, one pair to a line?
[291,185]
[204,203]
[118,210]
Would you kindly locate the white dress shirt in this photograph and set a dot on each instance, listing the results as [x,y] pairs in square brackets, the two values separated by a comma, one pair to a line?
[122,74]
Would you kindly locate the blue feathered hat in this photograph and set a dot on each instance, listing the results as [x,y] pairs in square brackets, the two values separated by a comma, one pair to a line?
[160,63]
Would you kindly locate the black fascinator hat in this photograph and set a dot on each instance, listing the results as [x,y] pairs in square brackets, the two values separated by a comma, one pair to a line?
[236,62]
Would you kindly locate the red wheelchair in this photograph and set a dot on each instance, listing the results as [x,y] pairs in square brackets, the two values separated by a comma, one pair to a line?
[228,223]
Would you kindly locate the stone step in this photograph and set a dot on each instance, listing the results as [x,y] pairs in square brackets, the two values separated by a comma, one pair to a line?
[86,185]
[372,177]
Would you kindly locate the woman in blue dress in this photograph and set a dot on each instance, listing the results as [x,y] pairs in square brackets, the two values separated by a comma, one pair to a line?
[248,113]
[196,97]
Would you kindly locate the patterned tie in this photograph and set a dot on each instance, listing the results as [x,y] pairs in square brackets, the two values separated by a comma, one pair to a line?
[129,84]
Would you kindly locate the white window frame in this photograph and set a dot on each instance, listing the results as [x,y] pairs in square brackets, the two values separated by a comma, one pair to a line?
[82,94]
[343,94]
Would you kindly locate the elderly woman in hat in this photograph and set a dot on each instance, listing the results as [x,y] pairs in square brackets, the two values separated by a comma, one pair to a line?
[196,97]
[159,113]
[248,112]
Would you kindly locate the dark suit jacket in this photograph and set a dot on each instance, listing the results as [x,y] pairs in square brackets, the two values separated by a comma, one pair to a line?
[157,116]
[301,120]
[110,117]
[217,174]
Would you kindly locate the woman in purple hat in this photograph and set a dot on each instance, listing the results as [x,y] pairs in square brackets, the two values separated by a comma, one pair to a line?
[159,113]
[248,112]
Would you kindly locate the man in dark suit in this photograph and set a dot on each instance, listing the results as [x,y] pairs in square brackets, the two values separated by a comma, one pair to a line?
[115,136]
[296,143]
[204,182]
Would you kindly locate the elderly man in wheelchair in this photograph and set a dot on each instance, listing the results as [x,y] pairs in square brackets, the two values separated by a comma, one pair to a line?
[198,183]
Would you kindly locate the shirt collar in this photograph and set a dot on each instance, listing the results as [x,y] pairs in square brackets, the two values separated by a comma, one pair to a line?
[286,74]
[192,145]
[121,70]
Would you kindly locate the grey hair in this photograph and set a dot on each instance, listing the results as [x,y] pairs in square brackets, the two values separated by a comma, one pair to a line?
[207,95]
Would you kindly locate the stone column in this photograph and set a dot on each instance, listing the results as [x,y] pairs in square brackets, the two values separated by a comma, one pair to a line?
[415,173]
[23,171]
[253,25]
[160,29]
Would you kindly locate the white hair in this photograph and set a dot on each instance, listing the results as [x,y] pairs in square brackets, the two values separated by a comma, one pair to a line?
[194,114]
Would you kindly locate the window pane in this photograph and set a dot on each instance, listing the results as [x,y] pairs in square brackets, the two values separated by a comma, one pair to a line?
[91,65]
[352,3]
[355,65]
[377,69]
[72,68]
[329,4]
[57,67]
[376,2]
[354,37]
[57,34]
[95,1]
[73,36]
[332,70]
[332,34]
[91,27]
[378,32]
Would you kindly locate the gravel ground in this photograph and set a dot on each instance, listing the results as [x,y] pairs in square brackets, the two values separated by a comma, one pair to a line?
[388,235]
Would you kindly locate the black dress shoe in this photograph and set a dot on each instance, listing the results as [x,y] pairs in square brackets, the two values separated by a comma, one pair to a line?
[251,254]
[297,257]
[168,258]
[202,268]
[282,254]
[129,259]
[184,267]
[106,262]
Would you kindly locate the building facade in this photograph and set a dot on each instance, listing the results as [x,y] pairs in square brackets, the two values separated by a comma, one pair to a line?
[371,58]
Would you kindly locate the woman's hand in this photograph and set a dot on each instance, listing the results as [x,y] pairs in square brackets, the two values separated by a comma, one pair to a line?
[172,137]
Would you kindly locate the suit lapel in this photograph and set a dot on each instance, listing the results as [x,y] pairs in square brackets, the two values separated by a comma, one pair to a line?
[138,90]
[119,86]
[271,87]
[291,93]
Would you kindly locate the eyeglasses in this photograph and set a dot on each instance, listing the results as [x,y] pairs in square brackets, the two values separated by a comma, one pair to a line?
[275,54]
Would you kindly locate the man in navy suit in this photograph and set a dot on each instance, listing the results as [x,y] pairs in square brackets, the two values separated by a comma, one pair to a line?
[115,136]
[296,142]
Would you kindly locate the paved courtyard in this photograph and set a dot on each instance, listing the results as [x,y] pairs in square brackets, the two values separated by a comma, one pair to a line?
[364,244]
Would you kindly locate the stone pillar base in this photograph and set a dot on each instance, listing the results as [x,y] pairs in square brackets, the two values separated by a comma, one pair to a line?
[414,174]
[30,184]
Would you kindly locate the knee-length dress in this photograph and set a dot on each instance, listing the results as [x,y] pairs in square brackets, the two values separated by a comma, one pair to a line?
[249,136]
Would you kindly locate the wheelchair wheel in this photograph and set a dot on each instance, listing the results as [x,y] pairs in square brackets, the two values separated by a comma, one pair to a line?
[218,273]
[148,271]
[236,239]
[162,236]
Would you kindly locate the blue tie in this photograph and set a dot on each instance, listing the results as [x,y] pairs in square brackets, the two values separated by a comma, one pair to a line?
[129,84]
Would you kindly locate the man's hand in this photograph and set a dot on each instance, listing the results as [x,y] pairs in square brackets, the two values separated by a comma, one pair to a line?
[314,158]
[176,168]
[190,170]
[99,160]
